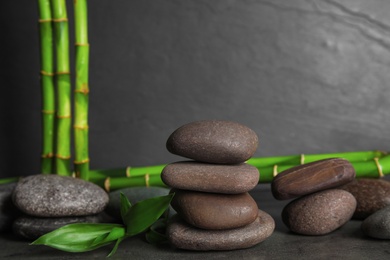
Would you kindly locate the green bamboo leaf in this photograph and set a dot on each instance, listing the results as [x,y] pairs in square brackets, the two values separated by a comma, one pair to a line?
[81,237]
[125,206]
[156,233]
[144,213]
[116,246]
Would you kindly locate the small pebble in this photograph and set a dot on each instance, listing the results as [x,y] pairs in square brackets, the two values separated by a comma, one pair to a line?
[32,227]
[229,179]
[215,211]
[371,195]
[50,195]
[184,236]
[134,195]
[319,213]
[8,211]
[312,177]
[377,225]
[214,141]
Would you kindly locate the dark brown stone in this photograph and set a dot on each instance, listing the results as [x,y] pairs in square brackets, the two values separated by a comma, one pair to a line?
[319,213]
[228,179]
[215,211]
[312,177]
[371,195]
[182,235]
[214,141]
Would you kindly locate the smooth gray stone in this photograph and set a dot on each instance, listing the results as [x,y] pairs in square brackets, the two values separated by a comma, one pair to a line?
[58,196]
[184,236]
[134,195]
[319,213]
[206,177]
[214,141]
[377,225]
[8,211]
[32,227]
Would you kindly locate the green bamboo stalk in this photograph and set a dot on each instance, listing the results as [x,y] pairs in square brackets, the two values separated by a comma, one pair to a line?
[47,85]
[128,171]
[115,183]
[81,94]
[9,180]
[64,87]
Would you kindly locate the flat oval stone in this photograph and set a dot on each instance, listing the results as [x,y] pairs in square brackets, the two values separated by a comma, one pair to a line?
[319,213]
[32,227]
[377,225]
[134,195]
[371,195]
[229,179]
[312,177]
[8,211]
[214,141]
[49,195]
[184,236]
[215,211]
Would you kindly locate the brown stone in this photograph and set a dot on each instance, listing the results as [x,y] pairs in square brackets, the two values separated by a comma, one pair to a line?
[312,177]
[182,235]
[371,195]
[319,213]
[214,141]
[229,179]
[215,211]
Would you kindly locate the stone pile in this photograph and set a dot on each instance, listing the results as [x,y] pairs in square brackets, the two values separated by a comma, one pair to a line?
[320,207]
[52,201]
[214,208]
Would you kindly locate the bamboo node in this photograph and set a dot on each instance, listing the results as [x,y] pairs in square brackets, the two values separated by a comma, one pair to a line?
[48,112]
[81,162]
[81,44]
[62,73]
[81,127]
[128,168]
[45,20]
[275,170]
[64,117]
[107,184]
[302,159]
[84,91]
[45,73]
[147,177]
[62,157]
[379,166]
[58,20]
[48,155]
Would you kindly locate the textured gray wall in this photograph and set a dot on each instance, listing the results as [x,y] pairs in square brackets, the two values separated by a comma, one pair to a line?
[307,76]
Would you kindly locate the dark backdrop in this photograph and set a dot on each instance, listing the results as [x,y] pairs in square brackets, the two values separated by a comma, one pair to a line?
[307,76]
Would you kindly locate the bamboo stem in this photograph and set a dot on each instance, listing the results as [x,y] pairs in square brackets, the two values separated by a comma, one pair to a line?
[47,85]
[81,94]
[64,87]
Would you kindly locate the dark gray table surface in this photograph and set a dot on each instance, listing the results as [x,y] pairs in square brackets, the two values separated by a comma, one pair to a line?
[348,242]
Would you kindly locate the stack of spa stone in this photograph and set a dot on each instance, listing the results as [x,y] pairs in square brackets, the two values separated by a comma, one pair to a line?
[52,201]
[214,208]
[320,207]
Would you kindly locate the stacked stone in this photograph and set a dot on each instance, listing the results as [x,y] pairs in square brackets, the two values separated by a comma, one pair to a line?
[320,207]
[214,208]
[52,201]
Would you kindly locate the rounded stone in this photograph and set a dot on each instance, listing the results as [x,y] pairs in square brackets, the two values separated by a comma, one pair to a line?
[134,195]
[229,179]
[312,177]
[32,227]
[215,211]
[371,195]
[319,213]
[8,211]
[377,225]
[52,195]
[214,141]
[184,236]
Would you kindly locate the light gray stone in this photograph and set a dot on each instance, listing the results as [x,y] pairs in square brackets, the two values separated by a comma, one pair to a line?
[184,236]
[58,196]
[377,225]
[214,141]
[206,177]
